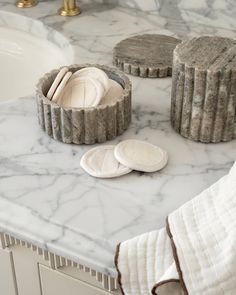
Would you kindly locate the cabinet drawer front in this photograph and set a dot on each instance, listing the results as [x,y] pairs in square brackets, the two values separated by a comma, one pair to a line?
[56,283]
[7,273]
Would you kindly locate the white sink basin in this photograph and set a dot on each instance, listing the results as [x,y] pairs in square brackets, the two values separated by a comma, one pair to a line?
[26,54]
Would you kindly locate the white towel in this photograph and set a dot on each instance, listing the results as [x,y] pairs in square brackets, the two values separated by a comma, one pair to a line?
[194,254]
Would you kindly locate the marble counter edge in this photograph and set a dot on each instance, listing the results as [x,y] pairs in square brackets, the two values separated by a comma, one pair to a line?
[48,239]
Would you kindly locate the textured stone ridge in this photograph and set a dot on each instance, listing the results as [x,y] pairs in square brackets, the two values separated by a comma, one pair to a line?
[147,56]
[84,126]
[203,106]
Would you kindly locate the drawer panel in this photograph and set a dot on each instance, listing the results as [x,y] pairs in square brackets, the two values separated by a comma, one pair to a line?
[56,283]
[7,273]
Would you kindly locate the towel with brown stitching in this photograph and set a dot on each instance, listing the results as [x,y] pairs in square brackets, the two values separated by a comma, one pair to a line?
[194,254]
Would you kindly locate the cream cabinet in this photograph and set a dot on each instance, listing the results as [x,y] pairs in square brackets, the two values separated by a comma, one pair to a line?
[54,282]
[7,273]
[28,270]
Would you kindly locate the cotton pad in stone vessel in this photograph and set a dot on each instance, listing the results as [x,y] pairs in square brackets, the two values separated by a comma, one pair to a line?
[95,74]
[85,125]
[203,105]
[56,82]
[81,92]
[147,56]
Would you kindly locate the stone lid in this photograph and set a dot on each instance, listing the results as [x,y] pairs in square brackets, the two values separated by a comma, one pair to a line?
[208,53]
[148,55]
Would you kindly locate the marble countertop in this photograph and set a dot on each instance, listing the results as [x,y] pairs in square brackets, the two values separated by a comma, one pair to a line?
[46,198]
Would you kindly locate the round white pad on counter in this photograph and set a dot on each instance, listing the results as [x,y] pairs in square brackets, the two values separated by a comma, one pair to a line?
[114,92]
[56,82]
[100,162]
[140,155]
[94,73]
[83,92]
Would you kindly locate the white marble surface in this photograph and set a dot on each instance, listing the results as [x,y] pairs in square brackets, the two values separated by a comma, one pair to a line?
[47,198]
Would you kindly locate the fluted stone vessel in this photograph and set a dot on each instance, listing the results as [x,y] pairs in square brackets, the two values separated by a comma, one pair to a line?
[84,125]
[203,105]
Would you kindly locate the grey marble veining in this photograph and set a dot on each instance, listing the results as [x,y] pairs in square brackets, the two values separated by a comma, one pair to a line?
[45,196]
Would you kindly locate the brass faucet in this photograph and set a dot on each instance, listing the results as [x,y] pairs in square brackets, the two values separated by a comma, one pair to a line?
[26,3]
[69,6]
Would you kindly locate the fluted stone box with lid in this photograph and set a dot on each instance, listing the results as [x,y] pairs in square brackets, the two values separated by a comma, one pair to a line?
[203,105]
[84,125]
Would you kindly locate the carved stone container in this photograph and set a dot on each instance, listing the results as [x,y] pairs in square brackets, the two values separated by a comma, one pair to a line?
[84,125]
[203,106]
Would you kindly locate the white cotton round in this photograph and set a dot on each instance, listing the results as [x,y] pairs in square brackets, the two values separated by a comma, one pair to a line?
[94,73]
[113,94]
[56,82]
[83,92]
[100,162]
[140,155]
[61,86]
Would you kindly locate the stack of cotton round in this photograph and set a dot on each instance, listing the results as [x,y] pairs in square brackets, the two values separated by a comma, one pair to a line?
[87,87]
[128,155]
